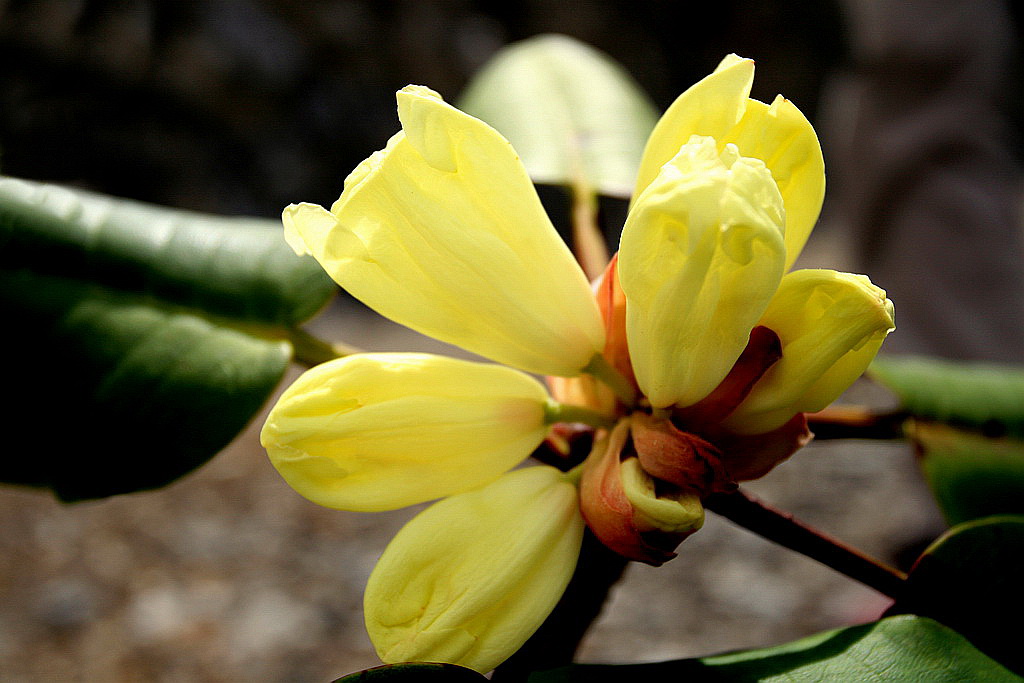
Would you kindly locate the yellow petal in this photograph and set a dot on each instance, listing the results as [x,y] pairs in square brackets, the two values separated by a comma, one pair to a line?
[700,256]
[718,106]
[442,231]
[381,431]
[831,326]
[711,107]
[468,580]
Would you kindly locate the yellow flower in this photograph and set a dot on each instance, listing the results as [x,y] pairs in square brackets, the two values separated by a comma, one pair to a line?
[696,340]
[443,232]
[469,579]
[380,431]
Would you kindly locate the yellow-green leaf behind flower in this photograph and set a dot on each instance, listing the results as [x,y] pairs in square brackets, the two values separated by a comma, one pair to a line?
[443,232]
[469,579]
[381,431]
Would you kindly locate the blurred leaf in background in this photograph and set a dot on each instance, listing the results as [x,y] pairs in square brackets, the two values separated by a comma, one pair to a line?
[967,424]
[573,114]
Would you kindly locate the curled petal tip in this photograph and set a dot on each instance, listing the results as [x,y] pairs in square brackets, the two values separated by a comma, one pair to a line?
[831,326]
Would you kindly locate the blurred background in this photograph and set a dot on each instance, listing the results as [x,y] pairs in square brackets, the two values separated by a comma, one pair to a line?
[245,106]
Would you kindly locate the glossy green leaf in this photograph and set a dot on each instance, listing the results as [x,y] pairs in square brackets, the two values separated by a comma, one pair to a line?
[414,673]
[980,396]
[571,113]
[896,650]
[970,580]
[140,340]
[971,475]
[238,268]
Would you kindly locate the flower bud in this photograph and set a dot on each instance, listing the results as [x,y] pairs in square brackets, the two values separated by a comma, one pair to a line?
[469,579]
[831,325]
[379,431]
[640,523]
[677,457]
[700,255]
[676,512]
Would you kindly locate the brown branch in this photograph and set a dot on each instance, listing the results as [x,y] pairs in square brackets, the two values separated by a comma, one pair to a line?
[782,528]
[856,422]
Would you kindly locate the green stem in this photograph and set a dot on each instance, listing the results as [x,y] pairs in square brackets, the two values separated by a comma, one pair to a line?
[310,350]
[563,412]
[603,371]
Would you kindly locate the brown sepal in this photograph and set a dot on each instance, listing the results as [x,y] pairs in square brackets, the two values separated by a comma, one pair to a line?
[751,456]
[678,457]
[762,351]
[612,303]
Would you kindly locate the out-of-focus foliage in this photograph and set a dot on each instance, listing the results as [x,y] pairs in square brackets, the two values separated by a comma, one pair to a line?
[573,115]
[971,475]
[967,422]
[979,396]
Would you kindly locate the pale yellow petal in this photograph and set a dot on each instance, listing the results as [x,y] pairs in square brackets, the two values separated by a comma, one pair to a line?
[781,136]
[468,580]
[673,513]
[381,431]
[831,326]
[700,256]
[443,231]
[711,107]
[778,134]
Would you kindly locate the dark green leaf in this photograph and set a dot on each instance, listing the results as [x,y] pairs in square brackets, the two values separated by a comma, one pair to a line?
[979,396]
[970,580]
[571,113]
[140,340]
[239,268]
[971,475]
[899,649]
[414,673]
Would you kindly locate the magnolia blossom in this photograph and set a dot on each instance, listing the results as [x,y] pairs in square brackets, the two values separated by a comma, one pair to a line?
[695,356]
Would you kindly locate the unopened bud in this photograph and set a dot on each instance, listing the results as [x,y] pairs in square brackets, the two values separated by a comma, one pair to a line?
[621,503]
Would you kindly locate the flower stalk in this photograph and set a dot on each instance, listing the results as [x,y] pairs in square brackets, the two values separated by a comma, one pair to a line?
[600,368]
[856,422]
[310,350]
[783,528]
[562,412]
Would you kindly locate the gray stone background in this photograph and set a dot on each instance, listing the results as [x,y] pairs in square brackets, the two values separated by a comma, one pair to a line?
[238,106]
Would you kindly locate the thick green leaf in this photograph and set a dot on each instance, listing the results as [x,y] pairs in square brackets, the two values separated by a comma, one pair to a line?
[980,396]
[970,580]
[140,340]
[571,113]
[239,268]
[899,649]
[414,673]
[971,475]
